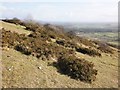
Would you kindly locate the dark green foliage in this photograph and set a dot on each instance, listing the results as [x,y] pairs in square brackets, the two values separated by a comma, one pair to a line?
[66,43]
[77,68]
[11,39]
[14,20]
[70,44]
[33,44]
[88,51]
[60,51]
[48,31]
[60,42]
[31,26]
[22,48]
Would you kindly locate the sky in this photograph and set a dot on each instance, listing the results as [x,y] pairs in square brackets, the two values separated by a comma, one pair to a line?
[61,10]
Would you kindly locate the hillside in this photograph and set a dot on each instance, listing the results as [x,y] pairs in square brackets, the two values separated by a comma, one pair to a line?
[36,55]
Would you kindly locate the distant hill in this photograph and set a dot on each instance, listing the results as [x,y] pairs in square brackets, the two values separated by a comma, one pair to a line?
[90,27]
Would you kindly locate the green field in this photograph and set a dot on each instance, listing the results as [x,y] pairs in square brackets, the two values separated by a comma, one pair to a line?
[109,37]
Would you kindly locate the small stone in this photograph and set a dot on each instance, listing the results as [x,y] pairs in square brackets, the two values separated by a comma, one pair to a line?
[39,67]
[5,48]
[8,56]
[54,59]
[9,69]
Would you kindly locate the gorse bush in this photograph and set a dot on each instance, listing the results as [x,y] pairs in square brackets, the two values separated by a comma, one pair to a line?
[60,42]
[24,49]
[14,20]
[66,43]
[11,39]
[31,26]
[88,51]
[33,44]
[77,68]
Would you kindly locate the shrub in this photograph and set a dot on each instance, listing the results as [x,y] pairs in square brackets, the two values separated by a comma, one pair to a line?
[77,68]
[60,51]
[10,38]
[88,51]
[60,42]
[24,49]
[66,43]
[31,26]
[14,20]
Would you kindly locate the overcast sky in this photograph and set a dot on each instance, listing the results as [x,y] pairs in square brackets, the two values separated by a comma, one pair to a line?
[61,10]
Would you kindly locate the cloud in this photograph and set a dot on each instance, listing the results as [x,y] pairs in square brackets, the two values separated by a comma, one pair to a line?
[84,11]
[77,12]
[87,1]
[10,12]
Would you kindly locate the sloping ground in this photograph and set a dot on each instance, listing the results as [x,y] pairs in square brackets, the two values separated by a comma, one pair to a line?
[107,67]
[14,28]
[20,70]
[27,71]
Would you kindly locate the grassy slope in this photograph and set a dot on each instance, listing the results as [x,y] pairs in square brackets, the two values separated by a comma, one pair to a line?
[22,71]
[14,28]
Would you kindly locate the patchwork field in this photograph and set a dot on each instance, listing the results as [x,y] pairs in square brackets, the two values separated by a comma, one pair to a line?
[111,38]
